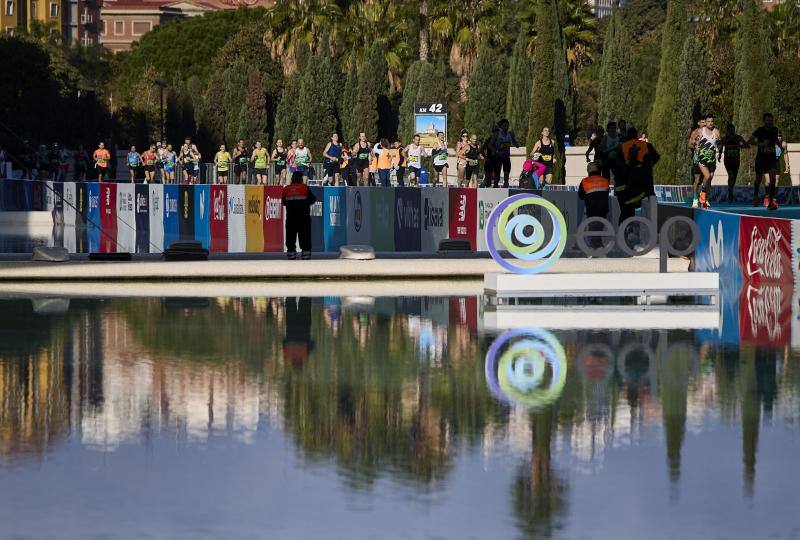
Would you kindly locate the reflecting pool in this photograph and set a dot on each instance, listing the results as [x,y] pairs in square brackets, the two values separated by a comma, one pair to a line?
[371,417]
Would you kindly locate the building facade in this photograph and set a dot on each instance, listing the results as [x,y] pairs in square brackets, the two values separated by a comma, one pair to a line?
[76,20]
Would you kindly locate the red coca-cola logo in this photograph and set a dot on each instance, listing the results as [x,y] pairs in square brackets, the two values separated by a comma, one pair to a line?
[765,314]
[765,252]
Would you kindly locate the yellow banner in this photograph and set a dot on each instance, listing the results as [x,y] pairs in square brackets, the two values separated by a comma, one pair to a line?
[253,219]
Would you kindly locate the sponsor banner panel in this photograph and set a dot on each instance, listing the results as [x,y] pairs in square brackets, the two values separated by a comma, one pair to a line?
[202,209]
[464,312]
[435,218]
[359,230]
[171,229]
[37,196]
[254,203]
[218,221]
[13,195]
[48,195]
[273,219]
[108,217]
[58,203]
[27,196]
[237,235]
[488,198]
[69,202]
[126,219]
[796,318]
[765,313]
[765,249]
[93,216]
[718,248]
[81,203]
[156,217]
[317,221]
[796,251]
[407,219]
[463,214]
[381,218]
[142,212]
[186,212]
[335,214]
[436,309]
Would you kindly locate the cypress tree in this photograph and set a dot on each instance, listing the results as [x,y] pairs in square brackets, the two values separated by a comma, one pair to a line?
[286,113]
[253,114]
[661,124]
[373,86]
[347,101]
[616,73]
[551,96]
[520,81]
[754,85]
[410,89]
[316,113]
[485,105]
[693,103]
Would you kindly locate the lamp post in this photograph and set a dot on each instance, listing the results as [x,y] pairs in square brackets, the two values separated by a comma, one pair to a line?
[161,82]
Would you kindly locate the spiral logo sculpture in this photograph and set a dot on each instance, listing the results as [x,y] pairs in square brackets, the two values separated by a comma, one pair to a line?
[526,366]
[523,236]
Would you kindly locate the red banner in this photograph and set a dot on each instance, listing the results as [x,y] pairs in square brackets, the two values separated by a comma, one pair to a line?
[464,312]
[765,313]
[765,251]
[218,220]
[464,214]
[273,219]
[108,218]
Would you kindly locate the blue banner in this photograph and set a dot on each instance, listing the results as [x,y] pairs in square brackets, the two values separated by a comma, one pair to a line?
[171,233]
[37,196]
[202,224]
[27,200]
[334,211]
[141,208]
[407,234]
[93,216]
[317,222]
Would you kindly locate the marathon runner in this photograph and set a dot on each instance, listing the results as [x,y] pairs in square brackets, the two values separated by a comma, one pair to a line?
[279,156]
[302,158]
[414,153]
[399,159]
[609,151]
[732,144]
[439,154]
[706,148]
[241,157]
[332,156]
[134,162]
[472,157]
[101,157]
[260,161]
[461,162]
[149,160]
[223,162]
[361,157]
[547,156]
[504,140]
[766,138]
[169,165]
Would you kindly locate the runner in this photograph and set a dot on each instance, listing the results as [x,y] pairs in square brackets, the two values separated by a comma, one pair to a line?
[461,162]
[134,162]
[732,145]
[240,159]
[386,163]
[185,159]
[609,151]
[547,156]
[439,154]
[346,169]
[260,161]
[290,159]
[696,174]
[302,158]
[332,156]
[194,165]
[399,158]
[594,146]
[64,156]
[414,153]
[149,160]
[504,140]
[361,156]
[766,138]
[81,164]
[279,156]
[472,159]
[161,149]
[223,162]
[169,165]
[489,153]
[706,148]
[101,157]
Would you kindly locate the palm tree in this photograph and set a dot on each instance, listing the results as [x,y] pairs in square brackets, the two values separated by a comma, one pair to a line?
[784,23]
[580,33]
[293,22]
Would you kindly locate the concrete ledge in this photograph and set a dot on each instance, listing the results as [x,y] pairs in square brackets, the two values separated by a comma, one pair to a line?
[603,284]
[603,317]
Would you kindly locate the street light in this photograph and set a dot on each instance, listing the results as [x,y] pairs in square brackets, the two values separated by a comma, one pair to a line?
[161,82]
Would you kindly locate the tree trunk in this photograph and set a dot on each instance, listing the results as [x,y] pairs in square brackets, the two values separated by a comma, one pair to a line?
[423,30]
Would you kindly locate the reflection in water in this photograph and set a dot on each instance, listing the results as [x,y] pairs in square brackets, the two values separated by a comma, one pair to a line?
[405,390]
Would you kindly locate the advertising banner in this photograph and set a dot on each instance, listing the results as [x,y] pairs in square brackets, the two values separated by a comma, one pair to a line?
[81,203]
[156,217]
[381,217]
[8,186]
[407,219]
[37,196]
[765,249]
[463,214]
[273,219]
[335,215]
[108,217]
[359,231]
[218,221]
[142,212]
[126,219]
[58,201]
[237,237]
[435,218]
[27,196]
[171,230]
[488,198]
[796,251]
[93,216]
[464,312]
[317,222]
[436,308]
[69,203]
[254,203]
[765,312]
[186,212]
[202,209]
[718,248]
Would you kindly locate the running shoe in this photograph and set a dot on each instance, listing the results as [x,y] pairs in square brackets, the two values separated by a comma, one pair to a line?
[755,202]
[706,204]
[766,202]
[291,255]
[306,255]
[773,206]
[695,203]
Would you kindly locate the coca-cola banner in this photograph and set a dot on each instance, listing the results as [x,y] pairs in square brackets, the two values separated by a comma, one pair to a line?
[765,249]
[218,226]
[273,219]
[765,311]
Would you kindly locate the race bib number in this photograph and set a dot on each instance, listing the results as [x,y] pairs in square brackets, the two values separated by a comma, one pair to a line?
[547,157]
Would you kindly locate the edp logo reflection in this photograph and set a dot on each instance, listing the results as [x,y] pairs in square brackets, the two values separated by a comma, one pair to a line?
[527,367]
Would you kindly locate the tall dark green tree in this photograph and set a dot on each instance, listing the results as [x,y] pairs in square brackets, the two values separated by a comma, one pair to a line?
[410,91]
[317,104]
[616,72]
[551,96]
[347,101]
[485,104]
[661,126]
[520,81]
[754,85]
[286,113]
[373,90]
[254,114]
[693,103]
